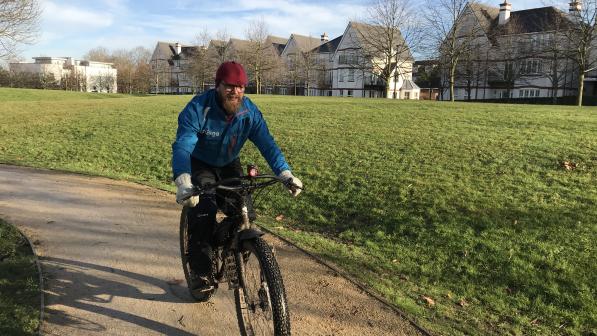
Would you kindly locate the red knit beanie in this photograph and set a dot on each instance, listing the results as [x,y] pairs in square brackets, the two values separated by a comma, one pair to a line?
[231,73]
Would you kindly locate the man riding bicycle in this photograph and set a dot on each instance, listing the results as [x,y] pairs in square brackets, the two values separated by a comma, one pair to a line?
[212,129]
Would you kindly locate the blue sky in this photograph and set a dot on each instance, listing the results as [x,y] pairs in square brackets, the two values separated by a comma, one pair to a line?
[71,27]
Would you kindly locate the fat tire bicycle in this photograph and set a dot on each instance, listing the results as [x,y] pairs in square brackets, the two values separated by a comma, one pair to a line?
[242,258]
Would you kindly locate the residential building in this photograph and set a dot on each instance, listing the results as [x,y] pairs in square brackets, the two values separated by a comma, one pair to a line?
[299,65]
[84,75]
[355,75]
[517,54]
[300,56]
[171,66]
[426,75]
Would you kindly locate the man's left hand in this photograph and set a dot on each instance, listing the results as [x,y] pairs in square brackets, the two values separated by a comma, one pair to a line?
[295,186]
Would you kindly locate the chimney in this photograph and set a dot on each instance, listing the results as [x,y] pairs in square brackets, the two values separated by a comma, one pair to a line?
[504,12]
[178,48]
[575,7]
[324,37]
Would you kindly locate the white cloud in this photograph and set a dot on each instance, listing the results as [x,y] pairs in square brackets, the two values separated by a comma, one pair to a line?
[74,18]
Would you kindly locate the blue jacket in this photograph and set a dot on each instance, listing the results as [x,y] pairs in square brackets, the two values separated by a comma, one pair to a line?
[205,133]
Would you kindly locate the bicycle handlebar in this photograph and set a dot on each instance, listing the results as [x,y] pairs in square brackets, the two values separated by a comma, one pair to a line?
[243,183]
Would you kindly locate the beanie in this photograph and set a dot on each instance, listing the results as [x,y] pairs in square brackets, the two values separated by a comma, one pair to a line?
[232,73]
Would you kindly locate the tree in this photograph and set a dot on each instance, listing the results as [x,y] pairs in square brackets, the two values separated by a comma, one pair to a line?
[18,24]
[125,67]
[452,32]
[259,56]
[390,34]
[4,77]
[201,66]
[554,51]
[219,50]
[581,35]
[98,54]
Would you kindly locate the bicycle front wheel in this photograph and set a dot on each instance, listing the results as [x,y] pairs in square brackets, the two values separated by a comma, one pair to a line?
[260,298]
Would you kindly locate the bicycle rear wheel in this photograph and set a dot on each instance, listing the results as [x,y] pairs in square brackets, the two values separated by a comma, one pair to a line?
[185,256]
[261,304]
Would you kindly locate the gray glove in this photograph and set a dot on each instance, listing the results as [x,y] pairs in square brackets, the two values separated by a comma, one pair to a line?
[185,189]
[286,174]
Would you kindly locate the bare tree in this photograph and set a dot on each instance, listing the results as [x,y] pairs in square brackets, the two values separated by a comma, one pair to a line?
[201,66]
[452,32]
[390,34]
[18,24]
[98,54]
[259,56]
[219,50]
[310,65]
[581,36]
[123,63]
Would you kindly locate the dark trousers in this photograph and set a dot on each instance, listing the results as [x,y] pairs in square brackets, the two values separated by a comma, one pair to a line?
[202,218]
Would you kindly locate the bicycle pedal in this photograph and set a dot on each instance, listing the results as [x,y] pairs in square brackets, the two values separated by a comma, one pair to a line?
[203,290]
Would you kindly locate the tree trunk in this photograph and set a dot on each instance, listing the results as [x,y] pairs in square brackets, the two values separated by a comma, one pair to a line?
[581,87]
[452,79]
[387,89]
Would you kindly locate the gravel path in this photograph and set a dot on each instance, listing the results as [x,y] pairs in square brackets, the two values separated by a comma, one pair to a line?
[110,257]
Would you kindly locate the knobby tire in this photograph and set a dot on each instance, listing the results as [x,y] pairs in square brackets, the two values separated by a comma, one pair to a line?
[256,253]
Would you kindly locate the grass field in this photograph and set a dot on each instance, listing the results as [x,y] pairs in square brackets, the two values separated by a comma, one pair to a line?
[19,287]
[463,215]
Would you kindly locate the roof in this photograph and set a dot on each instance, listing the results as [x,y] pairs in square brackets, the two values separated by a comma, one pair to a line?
[409,85]
[487,16]
[279,43]
[329,46]
[535,20]
[217,43]
[365,30]
[305,43]
[521,22]
[239,44]
[277,40]
[168,49]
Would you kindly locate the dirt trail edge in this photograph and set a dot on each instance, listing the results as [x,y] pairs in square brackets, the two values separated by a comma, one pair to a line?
[110,257]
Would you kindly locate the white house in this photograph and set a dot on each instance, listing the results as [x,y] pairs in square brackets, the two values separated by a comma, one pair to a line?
[354,77]
[517,54]
[91,76]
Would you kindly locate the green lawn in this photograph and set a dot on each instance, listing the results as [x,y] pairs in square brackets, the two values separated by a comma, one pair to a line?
[19,284]
[466,204]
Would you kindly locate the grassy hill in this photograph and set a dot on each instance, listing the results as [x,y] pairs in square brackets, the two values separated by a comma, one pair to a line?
[463,215]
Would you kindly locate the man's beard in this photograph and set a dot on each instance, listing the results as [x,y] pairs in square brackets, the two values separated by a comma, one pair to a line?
[231,103]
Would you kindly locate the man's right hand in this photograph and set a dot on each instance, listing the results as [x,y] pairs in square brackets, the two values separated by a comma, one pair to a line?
[184,190]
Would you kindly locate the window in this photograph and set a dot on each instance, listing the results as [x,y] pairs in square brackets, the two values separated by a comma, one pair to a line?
[504,94]
[531,66]
[341,93]
[406,95]
[508,71]
[349,93]
[529,93]
[351,75]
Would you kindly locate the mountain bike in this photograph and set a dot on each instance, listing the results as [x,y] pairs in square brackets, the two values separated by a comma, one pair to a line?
[241,258]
